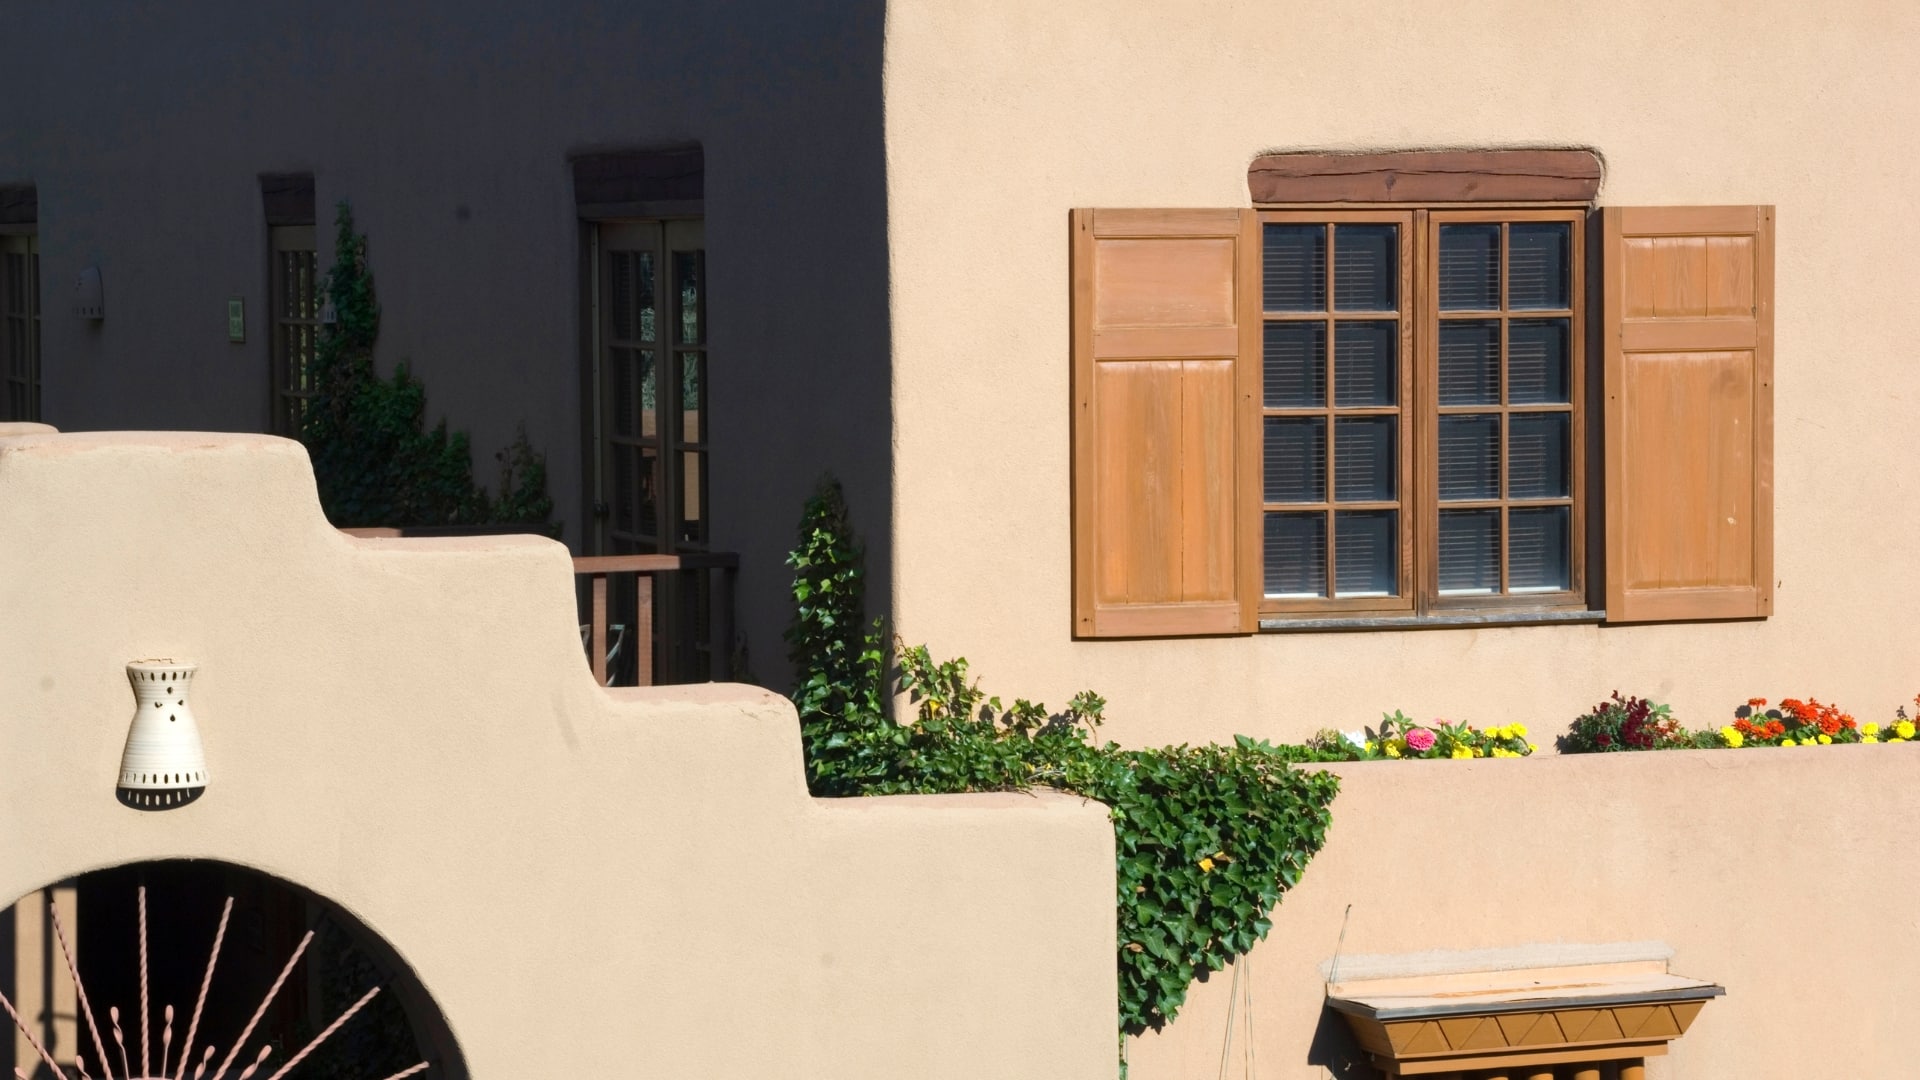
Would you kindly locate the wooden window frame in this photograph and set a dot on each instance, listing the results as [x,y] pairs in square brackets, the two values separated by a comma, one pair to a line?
[1406,314]
[1419,410]
[290,374]
[20,373]
[1574,597]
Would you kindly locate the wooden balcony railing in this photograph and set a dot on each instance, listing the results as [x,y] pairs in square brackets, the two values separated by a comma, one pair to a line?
[694,637]
[718,569]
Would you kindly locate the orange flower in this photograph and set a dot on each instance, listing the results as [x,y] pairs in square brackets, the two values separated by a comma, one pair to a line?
[1758,701]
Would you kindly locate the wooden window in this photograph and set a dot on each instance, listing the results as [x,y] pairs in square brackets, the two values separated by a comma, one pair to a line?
[1379,416]
[1503,396]
[652,372]
[19,326]
[295,300]
[1336,401]
[1421,417]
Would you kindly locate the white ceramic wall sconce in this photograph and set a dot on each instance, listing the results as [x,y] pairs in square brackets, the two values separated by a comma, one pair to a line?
[163,766]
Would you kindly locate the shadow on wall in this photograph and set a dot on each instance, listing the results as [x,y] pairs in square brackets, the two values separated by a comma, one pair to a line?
[1334,1049]
[447,174]
[288,964]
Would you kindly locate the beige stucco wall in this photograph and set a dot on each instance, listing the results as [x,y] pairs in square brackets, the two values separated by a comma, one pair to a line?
[1778,874]
[1001,115]
[586,882]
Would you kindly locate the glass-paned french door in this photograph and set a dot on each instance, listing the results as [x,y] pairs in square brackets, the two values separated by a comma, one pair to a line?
[294,323]
[652,457]
[650,467]
[19,328]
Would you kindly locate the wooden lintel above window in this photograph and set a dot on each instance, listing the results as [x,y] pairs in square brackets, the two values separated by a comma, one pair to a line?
[1426,177]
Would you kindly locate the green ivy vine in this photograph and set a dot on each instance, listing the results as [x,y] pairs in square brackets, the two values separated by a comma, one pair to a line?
[1208,838]
[373,456]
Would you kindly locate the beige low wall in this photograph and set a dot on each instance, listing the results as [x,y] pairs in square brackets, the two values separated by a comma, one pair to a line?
[1786,875]
[586,882]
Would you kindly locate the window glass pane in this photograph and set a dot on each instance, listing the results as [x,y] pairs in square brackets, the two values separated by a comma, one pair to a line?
[648,316]
[620,293]
[1294,268]
[693,527]
[1366,267]
[1469,551]
[688,275]
[1470,457]
[1295,365]
[1366,362]
[1538,555]
[649,397]
[1363,458]
[624,399]
[1470,362]
[1295,555]
[693,406]
[1537,362]
[1538,274]
[1469,267]
[649,495]
[1296,459]
[1365,557]
[1537,455]
[625,488]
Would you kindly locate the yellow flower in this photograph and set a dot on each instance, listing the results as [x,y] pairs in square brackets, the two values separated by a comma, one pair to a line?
[1532,748]
[1870,738]
[1372,747]
[1462,752]
[1502,732]
[1206,866]
[1825,739]
[1905,729]
[1896,738]
[1869,729]
[1394,746]
[1732,737]
[1787,742]
[1520,731]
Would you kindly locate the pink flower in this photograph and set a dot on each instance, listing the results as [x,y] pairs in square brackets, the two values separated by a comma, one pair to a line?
[1419,740]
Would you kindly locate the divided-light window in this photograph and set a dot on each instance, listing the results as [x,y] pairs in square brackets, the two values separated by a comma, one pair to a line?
[1368,401]
[1421,411]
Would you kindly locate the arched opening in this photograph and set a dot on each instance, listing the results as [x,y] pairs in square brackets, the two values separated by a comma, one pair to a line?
[280,971]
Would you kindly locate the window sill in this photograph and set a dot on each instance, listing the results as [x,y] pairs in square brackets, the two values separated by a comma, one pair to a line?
[1271,624]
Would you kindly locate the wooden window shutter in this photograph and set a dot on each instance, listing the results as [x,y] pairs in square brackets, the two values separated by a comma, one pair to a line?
[1688,319]
[1166,470]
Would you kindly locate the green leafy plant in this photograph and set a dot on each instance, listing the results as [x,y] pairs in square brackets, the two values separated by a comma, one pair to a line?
[1208,838]
[375,460]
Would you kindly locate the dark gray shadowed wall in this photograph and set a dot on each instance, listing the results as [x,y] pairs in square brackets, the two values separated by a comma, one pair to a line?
[145,128]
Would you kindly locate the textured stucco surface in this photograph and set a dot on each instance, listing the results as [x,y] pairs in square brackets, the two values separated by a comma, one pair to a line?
[1002,116]
[583,880]
[1770,872]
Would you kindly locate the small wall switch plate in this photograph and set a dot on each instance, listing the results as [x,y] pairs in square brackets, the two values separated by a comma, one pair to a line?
[236,319]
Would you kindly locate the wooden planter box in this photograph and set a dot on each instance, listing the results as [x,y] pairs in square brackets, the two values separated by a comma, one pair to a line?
[1579,1021]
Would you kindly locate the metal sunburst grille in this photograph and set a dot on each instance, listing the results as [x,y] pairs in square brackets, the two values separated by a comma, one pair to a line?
[172,1067]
